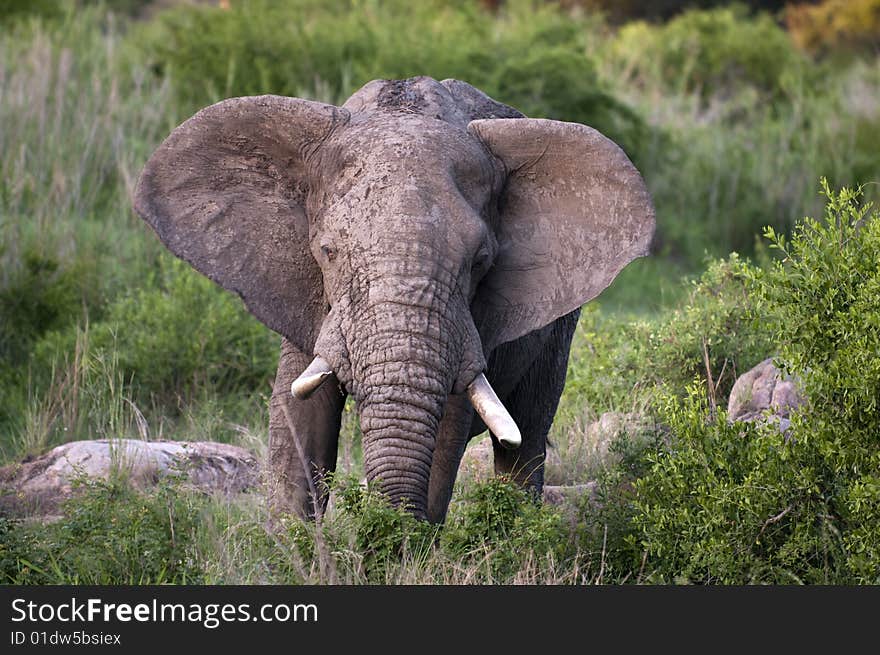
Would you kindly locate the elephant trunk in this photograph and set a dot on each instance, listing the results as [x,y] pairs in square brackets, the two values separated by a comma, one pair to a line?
[401,383]
[398,441]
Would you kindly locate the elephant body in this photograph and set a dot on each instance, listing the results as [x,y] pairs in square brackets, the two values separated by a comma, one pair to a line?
[417,237]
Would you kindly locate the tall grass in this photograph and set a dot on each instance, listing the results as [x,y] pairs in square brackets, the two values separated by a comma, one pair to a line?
[76,129]
[77,126]
[79,119]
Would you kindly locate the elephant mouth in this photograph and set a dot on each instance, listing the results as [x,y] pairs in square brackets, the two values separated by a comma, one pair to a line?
[480,393]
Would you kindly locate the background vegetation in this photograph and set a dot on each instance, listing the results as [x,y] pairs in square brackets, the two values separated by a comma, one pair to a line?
[733,115]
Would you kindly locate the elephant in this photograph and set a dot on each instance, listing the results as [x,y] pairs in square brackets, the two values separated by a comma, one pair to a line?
[423,248]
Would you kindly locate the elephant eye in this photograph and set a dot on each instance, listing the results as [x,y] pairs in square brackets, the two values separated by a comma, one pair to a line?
[328,252]
[481,260]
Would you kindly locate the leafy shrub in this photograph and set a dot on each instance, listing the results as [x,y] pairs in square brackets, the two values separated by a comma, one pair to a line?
[499,526]
[713,51]
[739,503]
[824,294]
[111,534]
[379,534]
[37,296]
[735,504]
[40,296]
[179,334]
[715,324]
[607,515]
[497,533]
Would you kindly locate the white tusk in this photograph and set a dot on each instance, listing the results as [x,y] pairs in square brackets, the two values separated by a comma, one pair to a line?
[493,413]
[312,378]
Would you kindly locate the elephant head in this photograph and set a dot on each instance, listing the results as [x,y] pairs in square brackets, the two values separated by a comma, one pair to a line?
[398,239]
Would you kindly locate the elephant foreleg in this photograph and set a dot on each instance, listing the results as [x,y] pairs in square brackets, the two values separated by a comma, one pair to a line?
[303,439]
[532,403]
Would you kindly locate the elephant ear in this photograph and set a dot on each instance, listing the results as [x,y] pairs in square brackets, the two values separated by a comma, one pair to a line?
[226,192]
[573,212]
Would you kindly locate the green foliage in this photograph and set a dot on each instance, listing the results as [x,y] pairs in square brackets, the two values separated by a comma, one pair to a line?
[12,10]
[379,533]
[748,124]
[530,57]
[607,515]
[113,534]
[739,503]
[824,293]
[500,527]
[39,297]
[712,51]
[179,334]
[110,534]
[620,364]
[715,325]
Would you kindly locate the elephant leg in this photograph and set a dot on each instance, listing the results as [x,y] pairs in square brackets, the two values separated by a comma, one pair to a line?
[532,403]
[452,438]
[299,460]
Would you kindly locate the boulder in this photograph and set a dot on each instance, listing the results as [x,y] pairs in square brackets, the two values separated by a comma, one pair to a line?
[764,393]
[38,484]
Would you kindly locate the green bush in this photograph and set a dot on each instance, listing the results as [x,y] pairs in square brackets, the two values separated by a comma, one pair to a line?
[739,503]
[736,504]
[493,534]
[713,51]
[111,534]
[715,324]
[380,535]
[824,294]
[36,297]
[40,296]
[178,335]
[497,526]
[607,515]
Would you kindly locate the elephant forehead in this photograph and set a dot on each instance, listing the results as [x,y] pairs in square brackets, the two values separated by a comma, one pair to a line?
[420,172]
[395,144]
[408,216]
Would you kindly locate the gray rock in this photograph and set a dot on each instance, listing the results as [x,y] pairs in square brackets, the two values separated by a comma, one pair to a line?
[37,485]
[764,393]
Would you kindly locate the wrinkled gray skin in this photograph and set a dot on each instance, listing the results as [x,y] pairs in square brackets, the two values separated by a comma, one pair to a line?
[415,237]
